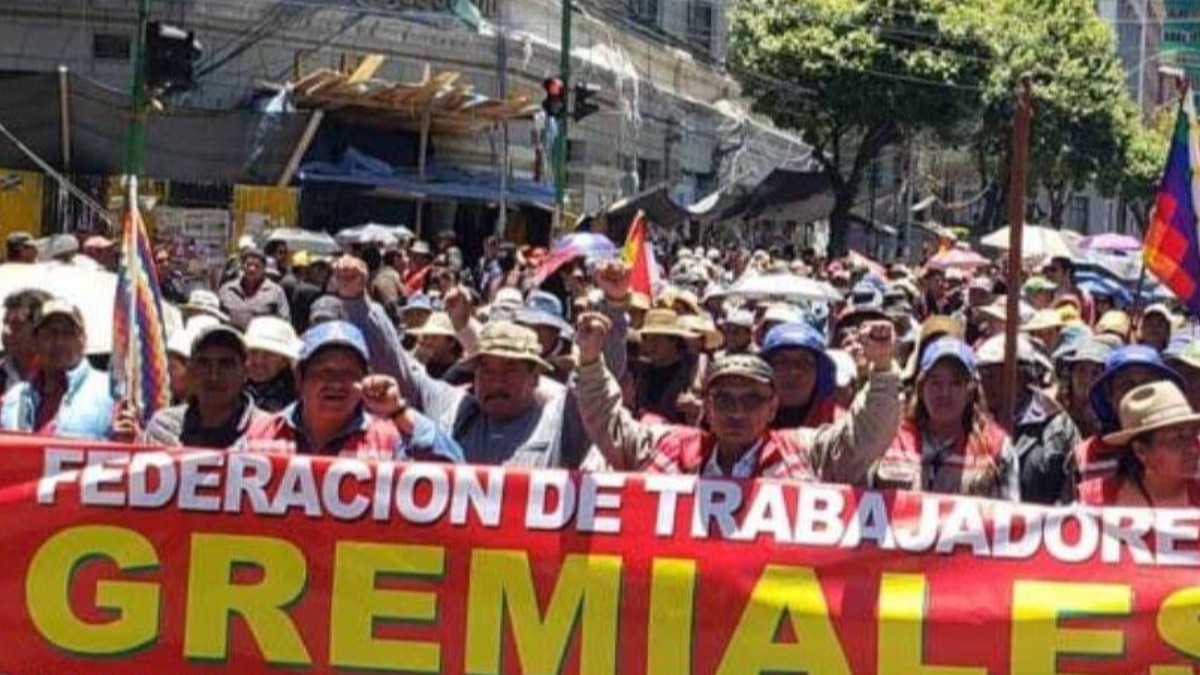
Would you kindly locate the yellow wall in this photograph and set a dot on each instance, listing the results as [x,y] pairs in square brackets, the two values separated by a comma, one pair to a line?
[259,208]
[21,206]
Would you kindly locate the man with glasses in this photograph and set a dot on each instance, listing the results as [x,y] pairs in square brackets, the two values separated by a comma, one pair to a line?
[740,401]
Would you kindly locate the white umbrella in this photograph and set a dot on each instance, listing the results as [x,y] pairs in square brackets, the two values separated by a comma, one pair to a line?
[319,243]
[1036,242]
[374,233]
[785,286]
[93,291]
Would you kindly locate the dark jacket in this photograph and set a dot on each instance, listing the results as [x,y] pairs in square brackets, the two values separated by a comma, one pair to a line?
[276,393]
[180,426]
[1044,441]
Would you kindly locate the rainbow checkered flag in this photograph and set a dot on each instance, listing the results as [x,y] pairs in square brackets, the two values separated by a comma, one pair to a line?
[139,352]
[1172,250]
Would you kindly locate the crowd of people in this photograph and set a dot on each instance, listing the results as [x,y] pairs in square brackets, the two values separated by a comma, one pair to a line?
[411,352]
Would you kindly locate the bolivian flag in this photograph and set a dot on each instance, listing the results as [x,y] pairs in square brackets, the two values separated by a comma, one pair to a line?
[1172,251]
[638,254]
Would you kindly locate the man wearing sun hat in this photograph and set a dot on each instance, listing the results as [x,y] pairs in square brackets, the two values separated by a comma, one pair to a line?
[665,368]
[740,402]
[438,347]
[345,411]
[66,397]
[1155,326]
[505,417]
[252,293]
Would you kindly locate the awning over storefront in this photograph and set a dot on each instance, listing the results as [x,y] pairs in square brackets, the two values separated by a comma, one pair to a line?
[358,169]
[182,144]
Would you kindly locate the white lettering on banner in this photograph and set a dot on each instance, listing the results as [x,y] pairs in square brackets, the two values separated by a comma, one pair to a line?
[788,514]
[592,499]
[668,488]
[543,485]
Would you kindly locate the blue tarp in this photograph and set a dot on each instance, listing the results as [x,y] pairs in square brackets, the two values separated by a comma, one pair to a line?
[358,168]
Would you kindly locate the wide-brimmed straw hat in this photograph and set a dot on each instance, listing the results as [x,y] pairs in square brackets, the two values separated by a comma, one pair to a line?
[1151,407]
[664,322]
[438,324]
[509,340]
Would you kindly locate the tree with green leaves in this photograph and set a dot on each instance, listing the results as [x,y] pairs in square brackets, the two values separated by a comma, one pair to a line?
[1082,114]
[1145,158]
[856,76]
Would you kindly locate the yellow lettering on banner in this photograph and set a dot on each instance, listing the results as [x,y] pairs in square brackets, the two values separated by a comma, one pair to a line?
[785,592]
[213,596]
[1037,639]
[1179,621]
[902,601]
[672,597]
[588,589]
[358,605]
[48,589]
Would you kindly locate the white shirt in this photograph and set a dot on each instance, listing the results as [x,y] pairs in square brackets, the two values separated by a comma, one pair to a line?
[743,468]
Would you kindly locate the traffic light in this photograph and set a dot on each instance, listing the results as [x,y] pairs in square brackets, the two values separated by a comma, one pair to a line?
[555,103]
[171,54]
[583,106]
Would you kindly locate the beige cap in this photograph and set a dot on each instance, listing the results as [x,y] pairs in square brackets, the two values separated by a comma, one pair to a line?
[508,340]
[438,323]
[273,335]
[59,307]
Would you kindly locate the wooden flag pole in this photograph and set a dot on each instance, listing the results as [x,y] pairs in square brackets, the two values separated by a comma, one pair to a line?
[1016,217]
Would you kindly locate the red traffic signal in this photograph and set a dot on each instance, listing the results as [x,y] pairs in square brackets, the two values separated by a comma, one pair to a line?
[555,102]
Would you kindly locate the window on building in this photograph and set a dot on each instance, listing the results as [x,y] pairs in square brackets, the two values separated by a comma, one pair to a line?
[1077,213]
[110,47]
[645,11]
[650,171]
[700,23]
[577,151]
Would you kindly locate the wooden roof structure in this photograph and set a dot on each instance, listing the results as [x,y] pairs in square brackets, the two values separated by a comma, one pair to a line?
[444,102]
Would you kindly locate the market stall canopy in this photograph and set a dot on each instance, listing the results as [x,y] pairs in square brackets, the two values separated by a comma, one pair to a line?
[655,202]
[184,144]
[452,104]
[357,168]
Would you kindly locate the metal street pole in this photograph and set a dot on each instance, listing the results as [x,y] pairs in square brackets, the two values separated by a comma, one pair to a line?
[1016,218]
[560,141]
[135,134]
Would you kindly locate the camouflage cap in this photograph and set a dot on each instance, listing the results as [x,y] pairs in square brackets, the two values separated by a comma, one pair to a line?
[740,365]
[508,340]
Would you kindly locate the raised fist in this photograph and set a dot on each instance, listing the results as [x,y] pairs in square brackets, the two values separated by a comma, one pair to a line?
[590,331]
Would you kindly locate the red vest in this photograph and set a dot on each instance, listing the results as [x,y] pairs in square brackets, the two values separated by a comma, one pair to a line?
[1096,460]
[377,439]
[685,450]
[901,464]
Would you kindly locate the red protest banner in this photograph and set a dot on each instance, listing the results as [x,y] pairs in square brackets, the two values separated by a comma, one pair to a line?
[123,560]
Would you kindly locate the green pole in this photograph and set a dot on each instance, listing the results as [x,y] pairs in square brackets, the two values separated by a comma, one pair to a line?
[560,143]
[135,134]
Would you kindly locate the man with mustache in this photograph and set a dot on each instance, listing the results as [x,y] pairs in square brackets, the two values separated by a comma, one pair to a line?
[505,417]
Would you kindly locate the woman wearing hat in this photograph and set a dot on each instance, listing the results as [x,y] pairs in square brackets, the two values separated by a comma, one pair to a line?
[948,442]
[1160,450]
[272,348]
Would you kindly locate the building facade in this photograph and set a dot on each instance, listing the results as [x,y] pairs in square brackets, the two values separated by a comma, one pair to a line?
[670,112]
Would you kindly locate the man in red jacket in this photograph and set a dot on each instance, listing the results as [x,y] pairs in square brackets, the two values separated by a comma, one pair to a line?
[740,401]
